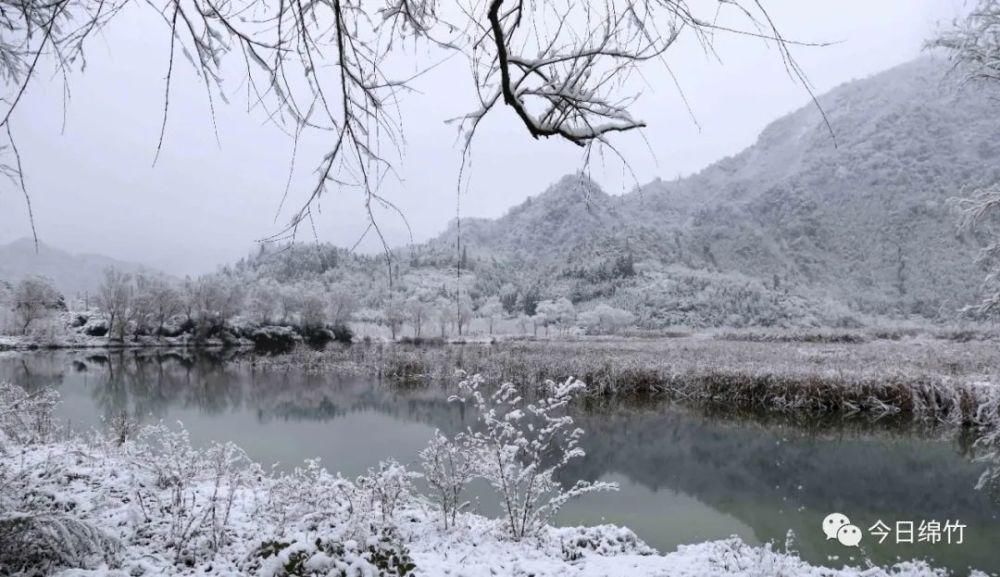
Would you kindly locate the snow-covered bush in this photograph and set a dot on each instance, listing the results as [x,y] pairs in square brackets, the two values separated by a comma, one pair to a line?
[383,555]
[520,447]
[193,490]
[607,540]
[331,526]
[448,468]
[383,490]
[121,428]
[310,496]
[25,417]
[37,528]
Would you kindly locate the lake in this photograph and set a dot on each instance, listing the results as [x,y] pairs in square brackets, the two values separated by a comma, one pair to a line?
[685,476]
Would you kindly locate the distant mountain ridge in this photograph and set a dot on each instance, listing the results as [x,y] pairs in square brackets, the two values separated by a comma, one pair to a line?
[803,228]
[72,274]
[862,219]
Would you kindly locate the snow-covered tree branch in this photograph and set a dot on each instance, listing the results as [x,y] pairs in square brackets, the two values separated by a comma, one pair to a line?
[974,43]
[566,68]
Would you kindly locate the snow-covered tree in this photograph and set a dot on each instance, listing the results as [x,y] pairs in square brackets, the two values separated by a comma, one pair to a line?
[520,447]
[974,42]
[444,314]
[462,308]
[448,469]
[418,309]
[217,299]
[559,312]
[34,298]
[491,310]
[605,319]
[262,300]
[342,303]
[141,310]
[114,300]
[165,301]
[508,296]
[289,299]
[539,320]
[313,307]
[394,310]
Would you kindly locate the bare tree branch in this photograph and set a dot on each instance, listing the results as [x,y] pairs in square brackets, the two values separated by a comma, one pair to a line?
[564,67]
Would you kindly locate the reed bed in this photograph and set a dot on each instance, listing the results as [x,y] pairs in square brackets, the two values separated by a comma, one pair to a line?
[929,379]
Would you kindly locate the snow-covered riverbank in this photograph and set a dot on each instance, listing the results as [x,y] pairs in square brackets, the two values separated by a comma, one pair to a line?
[115,495]
[145,502]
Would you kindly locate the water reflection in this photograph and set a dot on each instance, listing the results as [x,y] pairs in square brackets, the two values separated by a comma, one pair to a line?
[686,476]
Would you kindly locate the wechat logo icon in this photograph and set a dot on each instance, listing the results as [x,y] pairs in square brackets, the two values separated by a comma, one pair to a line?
[838,526]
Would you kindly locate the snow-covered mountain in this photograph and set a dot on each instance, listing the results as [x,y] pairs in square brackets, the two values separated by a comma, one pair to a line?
[71,274]
[805,227]
[860,216]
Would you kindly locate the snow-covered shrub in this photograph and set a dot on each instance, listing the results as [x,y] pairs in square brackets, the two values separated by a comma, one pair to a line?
[331,526]
[520,447]
[26,417]
[121,428]
[310,496]
[193,491]
[311,500]
[342,333]
[383,555]
[38,531]
[605,540]
[275,338]
[383,490]
[448,468]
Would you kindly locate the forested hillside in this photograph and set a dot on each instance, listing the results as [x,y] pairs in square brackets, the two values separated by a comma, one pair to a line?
[802,220]
[811,226]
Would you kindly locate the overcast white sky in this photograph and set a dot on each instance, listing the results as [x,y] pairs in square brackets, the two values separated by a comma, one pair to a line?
[95,189]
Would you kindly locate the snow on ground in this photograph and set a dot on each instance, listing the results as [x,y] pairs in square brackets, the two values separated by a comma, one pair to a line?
[117,491]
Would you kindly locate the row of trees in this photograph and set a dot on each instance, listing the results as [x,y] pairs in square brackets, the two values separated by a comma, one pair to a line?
[424,311]
[153,305]
[142,304]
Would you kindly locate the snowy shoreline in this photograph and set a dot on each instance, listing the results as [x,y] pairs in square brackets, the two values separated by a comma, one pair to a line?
[96,483]
[133,501]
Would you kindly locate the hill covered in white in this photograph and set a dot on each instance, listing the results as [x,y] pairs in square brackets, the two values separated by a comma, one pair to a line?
[72,274]
[857,219]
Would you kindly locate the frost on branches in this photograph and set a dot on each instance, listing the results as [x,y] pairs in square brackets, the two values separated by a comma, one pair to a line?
[521,446]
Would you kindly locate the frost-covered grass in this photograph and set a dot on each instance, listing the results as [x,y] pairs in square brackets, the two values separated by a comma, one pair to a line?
[936,380]
[151,504]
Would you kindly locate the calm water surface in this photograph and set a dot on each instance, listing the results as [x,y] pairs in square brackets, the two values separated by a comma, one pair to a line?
[685,476]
